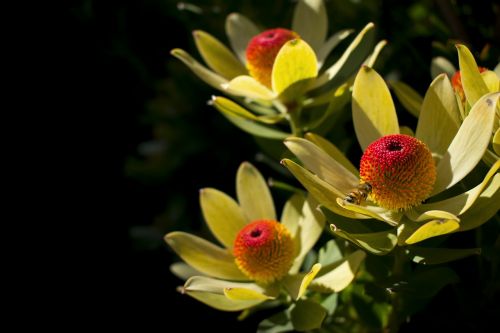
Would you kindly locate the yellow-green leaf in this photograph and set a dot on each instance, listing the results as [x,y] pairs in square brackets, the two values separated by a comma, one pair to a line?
[222,214]
[433,228]
[372,58]
[325,193]
[218,56]
[338,276]
[246,120]
[292,212]
[409,98]
[307,315]
[352,49]
[253,194]
[472,82]
[310,21]
[311,225]
[486,206]
[243,294]
[469,144]
[491,80]
[247,86]
[373,111]
[206,75]
[416,216]
[211,292]
[330,44]
[204,256]
[322,164]
[459,204]
[294,65]
[496,142]
[333,151]
[240,30]
[296,285]
[439,117]
[378,243]
[390,217]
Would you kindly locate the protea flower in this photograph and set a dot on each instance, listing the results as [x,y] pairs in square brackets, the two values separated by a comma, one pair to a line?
[277,72]
[261,257]
[404,172]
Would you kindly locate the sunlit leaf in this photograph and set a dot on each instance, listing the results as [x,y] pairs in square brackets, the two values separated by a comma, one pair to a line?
[222,214]
[469,144]
[472,82]
[218,56]
[433,228]
[247,86]
[373,111]
[209,77]
[338,276]
[378,243]
[204,256]
[330,44]
[294,65]
[253,194]
[439,117]
[296,285]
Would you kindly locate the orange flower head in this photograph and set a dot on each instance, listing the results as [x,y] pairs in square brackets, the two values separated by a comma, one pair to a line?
[263,49]
[400,170]
[456,82]
[264,251]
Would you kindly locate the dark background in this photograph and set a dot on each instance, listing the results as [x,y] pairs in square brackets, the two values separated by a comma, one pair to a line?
[148,141]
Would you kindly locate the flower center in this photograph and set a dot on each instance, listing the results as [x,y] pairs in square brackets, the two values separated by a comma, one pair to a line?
[264,250]
[400,170]
[263,49]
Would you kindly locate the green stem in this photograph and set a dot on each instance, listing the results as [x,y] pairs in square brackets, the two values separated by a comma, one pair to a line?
[397,273]
[293,110]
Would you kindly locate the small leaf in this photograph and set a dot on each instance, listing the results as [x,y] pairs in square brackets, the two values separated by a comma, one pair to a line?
[244,294]
[333,151]
[278,323]
[307,315]
[329,253]
[372,58]
[439,118]
[310,21]
[436,256]
[373,111]
[204,256]
[322,164]
[292,212]
[459,204]
[433,228]
[211,292]
[294,65]
[391,217]
[218,56]
[409,98]
[330,44]
[440,65]
[379,243]
[338,276]
[253,194]
[296,285]
[349,62]
[233,112]
[491,80]
[183,271]
[472,82]
[209,77]
[469,144]
[222,214]
[247,86]
[496,142]
[240,30]
[325,193]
